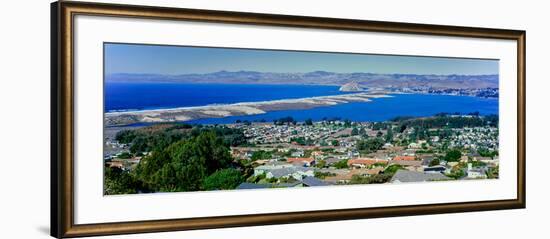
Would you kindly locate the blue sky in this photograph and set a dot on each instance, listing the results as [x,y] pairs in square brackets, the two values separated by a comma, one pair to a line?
[173,60]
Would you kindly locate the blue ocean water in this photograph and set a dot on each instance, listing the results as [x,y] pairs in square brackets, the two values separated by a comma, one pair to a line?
[125,96]
[144,96]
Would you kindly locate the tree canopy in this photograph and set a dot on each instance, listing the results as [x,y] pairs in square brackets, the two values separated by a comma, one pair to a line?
[285,120]
[341,164]
[223,179]
[260,154]
[453,155]
[161,136]
[370,145]
[185,164]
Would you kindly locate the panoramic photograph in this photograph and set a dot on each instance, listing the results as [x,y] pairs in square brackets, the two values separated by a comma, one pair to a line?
[188,118]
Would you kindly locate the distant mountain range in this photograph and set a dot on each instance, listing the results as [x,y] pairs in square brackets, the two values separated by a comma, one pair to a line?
[365,80]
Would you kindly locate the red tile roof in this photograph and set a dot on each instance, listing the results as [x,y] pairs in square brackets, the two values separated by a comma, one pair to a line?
[406,158]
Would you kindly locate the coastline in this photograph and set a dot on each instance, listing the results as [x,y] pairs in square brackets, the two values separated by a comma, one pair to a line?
[182,114]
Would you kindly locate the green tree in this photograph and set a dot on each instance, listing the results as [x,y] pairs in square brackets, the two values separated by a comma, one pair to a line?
[456,173]
[223,179]
[214,151]
[320,163]
[370,145]
[392,169]
[453,155]
[260,155]
[140,144]
[372,179]
[149,167]
[347,123]
[309,122]
[302,140]
[434,162]
[444,120]
[362,132]
[424,146]
[126,136]
[354,131]
[341,164]
[478,164]
[118,181]
[183,165]
[323,175]
[285,120]
[285,180]
[492,173]
[389,135]
[125,155]
[487,153]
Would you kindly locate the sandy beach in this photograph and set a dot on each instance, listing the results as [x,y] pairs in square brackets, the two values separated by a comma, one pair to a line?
[183,114]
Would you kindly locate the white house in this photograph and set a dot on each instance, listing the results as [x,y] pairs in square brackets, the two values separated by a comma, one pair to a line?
[475,172]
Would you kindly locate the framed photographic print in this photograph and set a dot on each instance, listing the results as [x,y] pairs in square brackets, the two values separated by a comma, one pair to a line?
[173,119]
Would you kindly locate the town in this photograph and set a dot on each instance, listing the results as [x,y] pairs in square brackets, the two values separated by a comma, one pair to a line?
[287,153]
[475,92]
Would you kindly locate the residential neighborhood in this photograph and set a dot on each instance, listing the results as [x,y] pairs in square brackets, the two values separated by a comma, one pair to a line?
[329,151]
[340,152]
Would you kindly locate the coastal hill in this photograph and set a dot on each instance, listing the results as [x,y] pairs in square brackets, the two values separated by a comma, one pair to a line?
[351,87]
[363,80]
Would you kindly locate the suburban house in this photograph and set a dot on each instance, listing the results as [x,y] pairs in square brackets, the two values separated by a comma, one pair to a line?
[283,150]
[313,182]
[284,171]
[297,154]
[297,184]
[483,159]
[404,176]
[493,162]
[308,162]
[404,158]
[426,161]
[353,153]
[366,172]
[252,186]
[339,178]
[116,164]
[268,167]
[435,169]
[343,176]
[331,160]
[317,154]
[475,172]
[364,162]
[415,165]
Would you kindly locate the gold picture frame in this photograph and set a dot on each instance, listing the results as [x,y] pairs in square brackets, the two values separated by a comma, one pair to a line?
[62,128]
